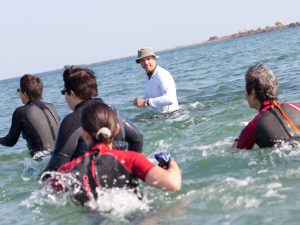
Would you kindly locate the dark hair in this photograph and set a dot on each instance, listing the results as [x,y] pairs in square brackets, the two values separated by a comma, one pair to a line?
[83,83]
[262,80]
[98,115]
[32,86]
[69,70]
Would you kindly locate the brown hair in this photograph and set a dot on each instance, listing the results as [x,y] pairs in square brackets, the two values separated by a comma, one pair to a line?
[69,70]
[262,80]
[83,83]
[32,86]
[98,115]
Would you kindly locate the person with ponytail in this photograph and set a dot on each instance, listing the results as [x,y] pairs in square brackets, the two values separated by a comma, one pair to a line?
[276,122]
[103,167]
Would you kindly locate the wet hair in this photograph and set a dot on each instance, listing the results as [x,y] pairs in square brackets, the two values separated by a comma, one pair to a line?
[96,116]
[82,82]
[32,86]
[262,80]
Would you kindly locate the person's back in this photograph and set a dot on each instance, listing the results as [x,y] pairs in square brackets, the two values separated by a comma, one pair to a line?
[37,121]
[106,168]
[273,128]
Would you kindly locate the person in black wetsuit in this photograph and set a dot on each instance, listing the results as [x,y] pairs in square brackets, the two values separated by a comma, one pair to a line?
[38,121]
[276,122]
[80,89]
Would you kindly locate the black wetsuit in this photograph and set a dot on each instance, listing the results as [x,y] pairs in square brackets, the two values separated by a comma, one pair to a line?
[38,122]
[70,144]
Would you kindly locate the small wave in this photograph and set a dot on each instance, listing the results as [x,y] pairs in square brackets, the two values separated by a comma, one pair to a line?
[239,183]
[53,196]
[117,202]
[273,191]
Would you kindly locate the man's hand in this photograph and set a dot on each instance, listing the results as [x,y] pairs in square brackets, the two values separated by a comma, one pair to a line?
[139,102]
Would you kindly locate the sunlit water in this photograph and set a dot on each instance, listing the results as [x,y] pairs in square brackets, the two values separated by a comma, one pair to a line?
[220,185]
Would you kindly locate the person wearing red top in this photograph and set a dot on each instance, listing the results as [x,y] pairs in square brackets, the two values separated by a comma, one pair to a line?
[103,167]
[276,122]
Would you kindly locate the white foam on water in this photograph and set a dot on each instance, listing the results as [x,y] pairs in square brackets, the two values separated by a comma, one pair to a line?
[163,146]
[252,163]
[30,169]
[247,202]
[262,171]
[209,150]
[239,183]
[244,123]
[49,195]
[118,202]
[273,190]
[192,105]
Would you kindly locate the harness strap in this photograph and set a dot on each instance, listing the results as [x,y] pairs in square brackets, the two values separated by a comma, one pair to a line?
[275,104]
[93,171]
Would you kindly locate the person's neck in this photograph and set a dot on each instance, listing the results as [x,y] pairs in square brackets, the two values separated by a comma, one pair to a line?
[257,105]
[152,72]
[109,145]
[77,103]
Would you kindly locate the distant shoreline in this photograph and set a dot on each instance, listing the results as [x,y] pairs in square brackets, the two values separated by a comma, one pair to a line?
[244,33]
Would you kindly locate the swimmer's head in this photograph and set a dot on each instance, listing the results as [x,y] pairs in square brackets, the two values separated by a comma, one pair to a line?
[262,80]
[32,86]
[82,82]
[99,122]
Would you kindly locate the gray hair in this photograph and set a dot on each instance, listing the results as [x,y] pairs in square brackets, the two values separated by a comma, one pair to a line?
[262,80]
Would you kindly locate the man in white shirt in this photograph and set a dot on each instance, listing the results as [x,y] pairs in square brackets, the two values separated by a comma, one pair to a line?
[160,88]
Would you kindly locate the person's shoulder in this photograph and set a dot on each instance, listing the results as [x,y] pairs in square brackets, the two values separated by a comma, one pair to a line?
[91,101]
[72,118]
[97,100]
[49,104]
[162,71]
[21,110]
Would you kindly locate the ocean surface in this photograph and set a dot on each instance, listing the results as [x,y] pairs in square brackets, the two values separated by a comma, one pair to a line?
[220,185]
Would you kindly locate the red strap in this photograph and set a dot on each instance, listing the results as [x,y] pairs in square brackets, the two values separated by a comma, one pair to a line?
[94,173]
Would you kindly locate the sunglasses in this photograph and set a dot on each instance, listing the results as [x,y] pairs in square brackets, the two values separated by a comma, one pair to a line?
[63,92]
[18,90]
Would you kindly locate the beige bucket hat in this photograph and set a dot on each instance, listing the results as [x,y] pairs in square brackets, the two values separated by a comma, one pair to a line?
[144,52]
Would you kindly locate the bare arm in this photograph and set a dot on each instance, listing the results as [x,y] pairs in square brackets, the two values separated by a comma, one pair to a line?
[165,179]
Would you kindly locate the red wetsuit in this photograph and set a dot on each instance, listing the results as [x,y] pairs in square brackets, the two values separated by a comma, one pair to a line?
[106,168]
[270,127]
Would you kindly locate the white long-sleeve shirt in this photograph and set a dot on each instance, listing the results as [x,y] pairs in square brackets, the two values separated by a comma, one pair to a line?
[160,89]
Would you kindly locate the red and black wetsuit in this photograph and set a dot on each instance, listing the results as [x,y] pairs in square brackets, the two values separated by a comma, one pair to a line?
[106,168]
[270,127]
[69,143]
[38,122]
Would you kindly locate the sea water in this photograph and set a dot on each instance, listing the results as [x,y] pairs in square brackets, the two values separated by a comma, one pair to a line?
[220,185]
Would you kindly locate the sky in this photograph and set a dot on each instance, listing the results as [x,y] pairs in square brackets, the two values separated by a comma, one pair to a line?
[43,35]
